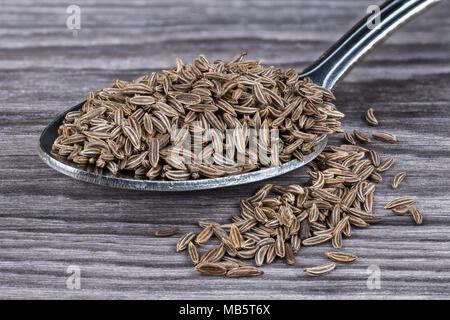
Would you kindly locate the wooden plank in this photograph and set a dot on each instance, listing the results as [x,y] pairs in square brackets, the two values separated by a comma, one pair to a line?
[49,222]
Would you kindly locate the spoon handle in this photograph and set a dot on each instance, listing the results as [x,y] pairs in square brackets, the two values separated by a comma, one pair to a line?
[334,64]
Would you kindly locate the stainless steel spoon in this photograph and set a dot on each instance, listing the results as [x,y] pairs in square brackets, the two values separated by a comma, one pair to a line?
[327,71]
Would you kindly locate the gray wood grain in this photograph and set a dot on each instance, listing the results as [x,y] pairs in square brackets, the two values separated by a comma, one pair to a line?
[49,221]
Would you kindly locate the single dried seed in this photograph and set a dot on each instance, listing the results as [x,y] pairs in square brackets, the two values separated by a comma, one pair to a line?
[271,254]
[228,264]
[397,179]
[385,137]
[312,241]
[289,256]
[304,232]
[348,137]
[337,240]
[210,256]
[417,215]
[375,158]
[386,165]
[184,241]
[236,237]
[320,270]
[261,255]
[193,253]
[188,98]
[167,232]
[279,247]
[370,117]
[211,269]
[399,202]
[204,235]
[247,271]
[361,136]
[341,256]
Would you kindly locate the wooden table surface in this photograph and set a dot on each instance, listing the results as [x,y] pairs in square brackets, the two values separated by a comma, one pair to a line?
[49,222]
